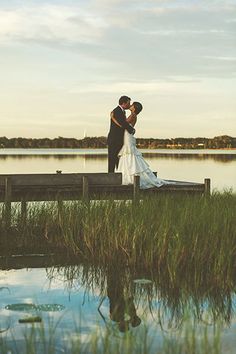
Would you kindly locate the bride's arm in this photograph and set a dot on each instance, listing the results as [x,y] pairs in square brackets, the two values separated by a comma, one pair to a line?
[114,120]
[132,119]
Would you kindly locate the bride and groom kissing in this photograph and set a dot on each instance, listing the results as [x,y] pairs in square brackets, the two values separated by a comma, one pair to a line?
[123,155]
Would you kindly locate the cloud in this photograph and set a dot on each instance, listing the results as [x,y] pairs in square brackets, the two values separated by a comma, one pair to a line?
[143,87]
[136,39]
[50,22]
[88,22]
[230,59]
[233,20]
[180,32]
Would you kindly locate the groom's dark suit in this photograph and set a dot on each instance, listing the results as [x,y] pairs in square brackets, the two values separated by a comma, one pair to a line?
[116,137]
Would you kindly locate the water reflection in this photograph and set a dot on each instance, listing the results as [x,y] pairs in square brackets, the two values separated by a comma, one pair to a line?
[103,157]
[164,299]
[194,167]
[38,157]
[93,297]
[121,300]
[195,156]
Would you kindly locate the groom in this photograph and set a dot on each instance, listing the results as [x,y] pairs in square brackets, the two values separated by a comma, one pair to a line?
[116,134]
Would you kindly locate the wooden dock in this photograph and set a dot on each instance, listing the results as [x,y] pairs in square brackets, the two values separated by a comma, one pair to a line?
[60,187]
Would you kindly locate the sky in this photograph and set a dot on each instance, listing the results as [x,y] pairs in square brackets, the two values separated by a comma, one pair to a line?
[65,63]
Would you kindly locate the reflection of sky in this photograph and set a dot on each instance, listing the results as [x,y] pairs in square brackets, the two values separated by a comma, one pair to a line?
[81,309]
[32,286]
[186,167]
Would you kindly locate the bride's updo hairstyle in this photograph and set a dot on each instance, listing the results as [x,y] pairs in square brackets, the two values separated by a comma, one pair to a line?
[138,107]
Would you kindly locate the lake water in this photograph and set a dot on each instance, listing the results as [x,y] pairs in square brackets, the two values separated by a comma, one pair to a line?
[187,165]
[85,301]
[79,291]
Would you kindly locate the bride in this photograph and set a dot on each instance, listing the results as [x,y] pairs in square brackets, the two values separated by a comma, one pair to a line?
[131,162]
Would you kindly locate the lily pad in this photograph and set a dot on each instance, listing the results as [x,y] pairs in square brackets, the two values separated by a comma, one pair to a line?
[142,281]
[30,319]
[21,307]
[50,307]
[33,307]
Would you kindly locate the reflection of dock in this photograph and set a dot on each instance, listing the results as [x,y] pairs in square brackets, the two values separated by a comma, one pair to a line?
[19,261]
[81,186]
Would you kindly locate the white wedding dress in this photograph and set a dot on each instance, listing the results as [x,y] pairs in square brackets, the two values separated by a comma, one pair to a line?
[132,163]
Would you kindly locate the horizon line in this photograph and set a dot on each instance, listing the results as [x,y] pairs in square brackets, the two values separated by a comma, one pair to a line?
[104,136]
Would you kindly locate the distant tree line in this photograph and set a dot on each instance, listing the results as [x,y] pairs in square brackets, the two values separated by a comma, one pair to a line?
[218,142]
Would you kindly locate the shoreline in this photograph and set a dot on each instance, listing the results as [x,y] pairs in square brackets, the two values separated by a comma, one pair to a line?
[105,148]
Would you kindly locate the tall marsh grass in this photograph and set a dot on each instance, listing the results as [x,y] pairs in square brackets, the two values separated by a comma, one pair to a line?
[36,339]
[185,244]
[174,233]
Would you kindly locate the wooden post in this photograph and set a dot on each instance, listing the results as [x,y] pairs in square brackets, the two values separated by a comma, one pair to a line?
[23,213]
[85,189]
[59,205]
[207,190]
[7,211]
[59,199]
[136,190]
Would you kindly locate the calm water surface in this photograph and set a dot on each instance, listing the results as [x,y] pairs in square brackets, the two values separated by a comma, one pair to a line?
[81,291]
[188,165]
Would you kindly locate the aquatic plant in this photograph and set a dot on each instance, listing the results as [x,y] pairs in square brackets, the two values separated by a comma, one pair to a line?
[37,338]
[171,233]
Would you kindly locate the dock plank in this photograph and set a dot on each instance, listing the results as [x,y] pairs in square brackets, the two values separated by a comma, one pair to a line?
[61,179]
[72,186]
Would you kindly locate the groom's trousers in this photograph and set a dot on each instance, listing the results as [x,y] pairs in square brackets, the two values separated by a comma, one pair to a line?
[113,158]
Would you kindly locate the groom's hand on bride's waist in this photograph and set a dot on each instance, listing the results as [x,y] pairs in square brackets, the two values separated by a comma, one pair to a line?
[133,132]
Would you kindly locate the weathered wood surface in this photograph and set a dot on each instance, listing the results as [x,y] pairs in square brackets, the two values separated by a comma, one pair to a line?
[75,186]
[7,200]
[85,186]
[36,260]
[207,183]
[79,186]
[61,179]
[50,194]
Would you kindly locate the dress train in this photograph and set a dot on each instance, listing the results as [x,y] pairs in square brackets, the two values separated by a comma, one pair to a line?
[132,163]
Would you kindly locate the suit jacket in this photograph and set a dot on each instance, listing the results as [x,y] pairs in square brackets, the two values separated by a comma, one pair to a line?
[116,133]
